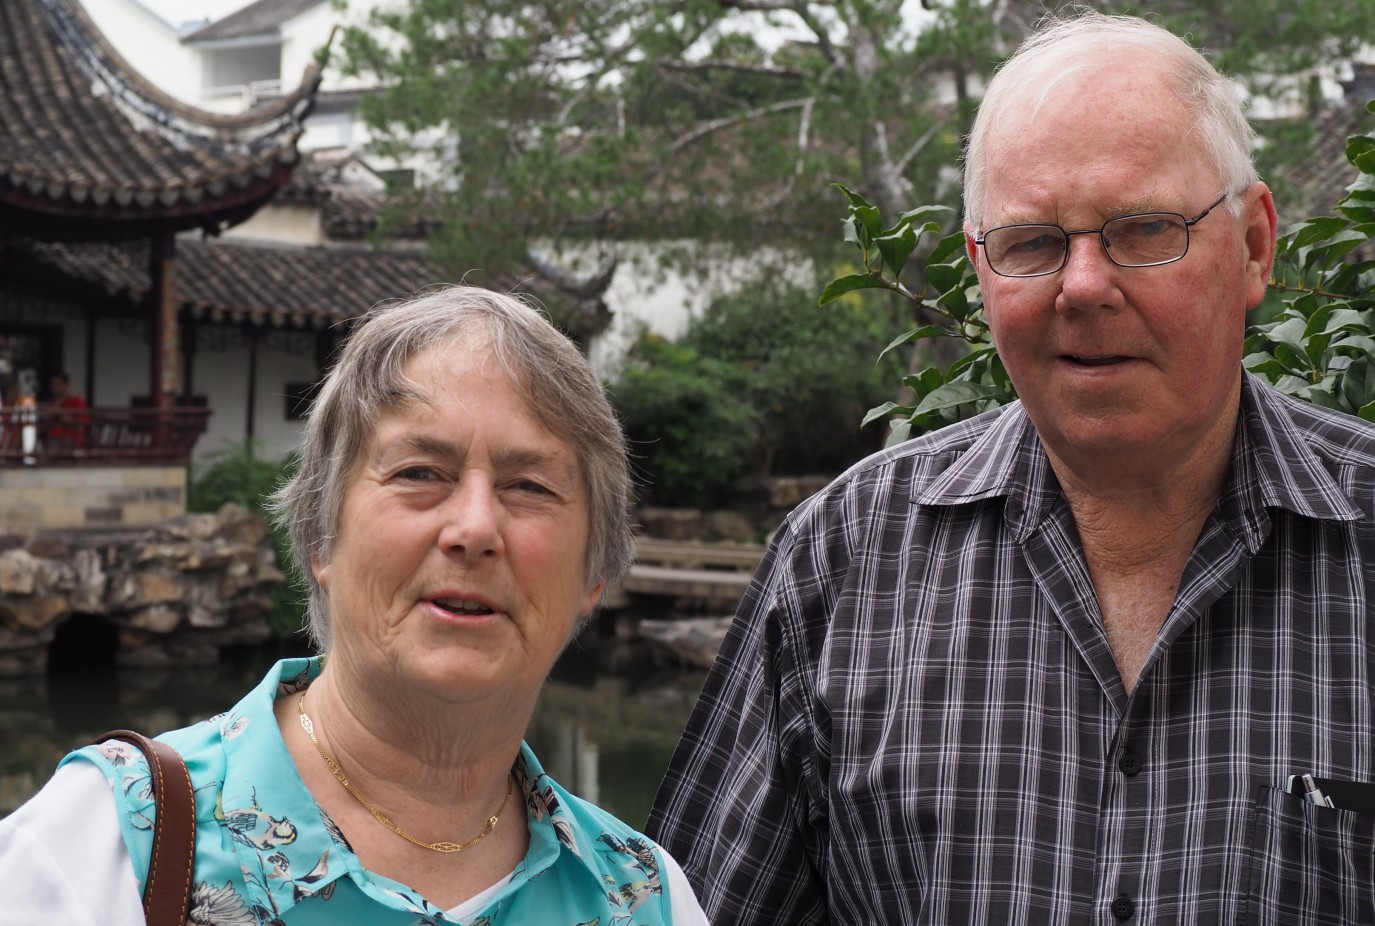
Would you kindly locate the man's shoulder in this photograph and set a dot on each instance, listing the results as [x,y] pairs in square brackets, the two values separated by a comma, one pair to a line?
[1334,437]
[934,447]
[902,471]
[932,452]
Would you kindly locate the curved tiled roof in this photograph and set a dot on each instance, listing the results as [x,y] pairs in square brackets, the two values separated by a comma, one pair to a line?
[226,282]
[87,144]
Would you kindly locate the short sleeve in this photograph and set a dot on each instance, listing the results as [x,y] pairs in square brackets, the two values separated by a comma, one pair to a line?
[63,858]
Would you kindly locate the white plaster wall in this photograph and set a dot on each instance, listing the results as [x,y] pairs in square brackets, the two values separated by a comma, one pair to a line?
[222,377]
[644,295]
[149,43]
[290,223]
[121,363]
[302,37]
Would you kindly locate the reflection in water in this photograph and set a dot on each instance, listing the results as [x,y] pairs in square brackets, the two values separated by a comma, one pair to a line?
[607,722]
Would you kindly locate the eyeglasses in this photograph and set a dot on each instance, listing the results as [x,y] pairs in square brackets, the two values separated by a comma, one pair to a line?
[1142,239]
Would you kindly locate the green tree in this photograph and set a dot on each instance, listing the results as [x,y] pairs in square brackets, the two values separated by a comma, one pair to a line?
[600,120]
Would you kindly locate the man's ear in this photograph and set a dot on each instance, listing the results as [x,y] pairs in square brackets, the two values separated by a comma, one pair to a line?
[1261,225]
[970,247]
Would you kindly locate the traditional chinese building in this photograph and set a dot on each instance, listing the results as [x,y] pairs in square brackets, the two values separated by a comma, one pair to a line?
[113,196]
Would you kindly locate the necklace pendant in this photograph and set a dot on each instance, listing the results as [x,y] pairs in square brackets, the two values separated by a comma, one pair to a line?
[446,847]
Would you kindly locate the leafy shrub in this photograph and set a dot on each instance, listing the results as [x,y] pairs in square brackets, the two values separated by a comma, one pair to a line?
[237,475]
[690,432]
[764,382]
[1321,348]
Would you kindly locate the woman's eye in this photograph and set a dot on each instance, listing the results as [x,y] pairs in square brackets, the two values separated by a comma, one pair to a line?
[417,474]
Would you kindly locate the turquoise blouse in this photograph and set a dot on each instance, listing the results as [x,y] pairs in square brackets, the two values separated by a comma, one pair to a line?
[266,853]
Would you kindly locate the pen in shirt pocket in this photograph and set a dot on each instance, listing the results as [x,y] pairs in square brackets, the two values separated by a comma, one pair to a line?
[1313,793]
[1339,794]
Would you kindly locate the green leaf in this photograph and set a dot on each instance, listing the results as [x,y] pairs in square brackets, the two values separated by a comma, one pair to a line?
[1367,412]
[926,331]
[956,302]
[855,199]
[1312,230]
[1290,332]
[951,249]
[849,284]
[1266,366]
[953,394]
[930,217]
[897,247]
[943,277]
[883,411]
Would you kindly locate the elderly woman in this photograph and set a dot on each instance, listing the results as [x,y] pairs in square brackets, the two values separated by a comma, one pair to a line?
[459,508]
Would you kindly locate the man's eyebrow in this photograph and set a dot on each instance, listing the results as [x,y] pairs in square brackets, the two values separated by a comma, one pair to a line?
[1144,204]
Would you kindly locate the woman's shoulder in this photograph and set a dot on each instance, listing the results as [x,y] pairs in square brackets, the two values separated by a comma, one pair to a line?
[632,867]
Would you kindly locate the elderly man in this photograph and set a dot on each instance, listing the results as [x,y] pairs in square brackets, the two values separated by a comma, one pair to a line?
[1069,661]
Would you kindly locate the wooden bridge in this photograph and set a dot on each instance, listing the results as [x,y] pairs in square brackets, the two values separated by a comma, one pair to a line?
[694,575]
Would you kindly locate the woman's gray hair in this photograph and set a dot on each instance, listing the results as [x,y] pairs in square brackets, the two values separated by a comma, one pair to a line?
[565,397]
[1087,40]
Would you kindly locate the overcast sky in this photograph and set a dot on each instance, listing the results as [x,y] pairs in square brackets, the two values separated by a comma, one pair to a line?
[177,12]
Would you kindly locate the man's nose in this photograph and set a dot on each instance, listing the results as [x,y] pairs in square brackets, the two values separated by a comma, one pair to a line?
[1088,274]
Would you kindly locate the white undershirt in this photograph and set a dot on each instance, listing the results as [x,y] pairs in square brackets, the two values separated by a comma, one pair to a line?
[63,860]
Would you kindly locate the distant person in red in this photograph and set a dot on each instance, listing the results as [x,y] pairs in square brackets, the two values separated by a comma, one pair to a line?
[9,416]
[68,429]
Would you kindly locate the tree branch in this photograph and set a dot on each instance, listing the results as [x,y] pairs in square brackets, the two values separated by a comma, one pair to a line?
[758,69]
[918,145]
[714,125]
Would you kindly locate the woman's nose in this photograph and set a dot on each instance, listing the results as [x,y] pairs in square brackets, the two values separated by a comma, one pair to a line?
[472,526]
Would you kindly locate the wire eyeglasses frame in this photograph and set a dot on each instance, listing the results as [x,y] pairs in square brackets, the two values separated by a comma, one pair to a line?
[1103,239]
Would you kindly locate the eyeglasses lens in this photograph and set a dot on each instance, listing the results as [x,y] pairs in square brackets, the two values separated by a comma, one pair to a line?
[1025,250]
[1131,241]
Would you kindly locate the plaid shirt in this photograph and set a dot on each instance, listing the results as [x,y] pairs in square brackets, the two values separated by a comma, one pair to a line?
[916,717]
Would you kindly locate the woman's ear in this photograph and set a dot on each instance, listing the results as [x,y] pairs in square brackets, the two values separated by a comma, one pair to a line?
[320,571]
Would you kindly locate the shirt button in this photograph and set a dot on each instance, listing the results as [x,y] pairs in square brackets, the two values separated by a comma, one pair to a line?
[1129,763]
[1123,907]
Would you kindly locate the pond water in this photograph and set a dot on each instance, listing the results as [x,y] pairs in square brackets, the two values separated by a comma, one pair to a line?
[607,723]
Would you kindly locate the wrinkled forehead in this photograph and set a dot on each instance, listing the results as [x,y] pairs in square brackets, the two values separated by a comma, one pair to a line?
[1099,135]
[1093,102]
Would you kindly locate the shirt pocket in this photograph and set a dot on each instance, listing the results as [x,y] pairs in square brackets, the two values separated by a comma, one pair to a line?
[1310,865]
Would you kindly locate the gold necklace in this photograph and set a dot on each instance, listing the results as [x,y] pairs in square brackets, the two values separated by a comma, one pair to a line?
[382,818]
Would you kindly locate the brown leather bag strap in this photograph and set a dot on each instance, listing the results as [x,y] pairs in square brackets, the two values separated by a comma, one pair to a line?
[167,890]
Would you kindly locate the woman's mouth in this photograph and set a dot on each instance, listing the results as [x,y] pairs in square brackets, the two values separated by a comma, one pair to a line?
[463,606]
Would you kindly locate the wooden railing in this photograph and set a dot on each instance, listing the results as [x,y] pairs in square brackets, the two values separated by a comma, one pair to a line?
[100,436]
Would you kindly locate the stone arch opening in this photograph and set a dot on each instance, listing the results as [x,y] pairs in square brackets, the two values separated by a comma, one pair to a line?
[83,642]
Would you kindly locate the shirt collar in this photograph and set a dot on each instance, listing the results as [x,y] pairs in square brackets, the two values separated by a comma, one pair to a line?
[1273,466]
[1006,460]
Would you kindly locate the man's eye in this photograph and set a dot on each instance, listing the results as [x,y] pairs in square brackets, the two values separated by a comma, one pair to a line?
[1037,243]
[1149,228]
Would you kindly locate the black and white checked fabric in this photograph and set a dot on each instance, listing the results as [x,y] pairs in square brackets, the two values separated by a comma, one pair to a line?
[916,718]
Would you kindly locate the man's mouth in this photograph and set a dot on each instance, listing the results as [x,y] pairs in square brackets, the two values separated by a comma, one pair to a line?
[463,606]
[1095,361]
